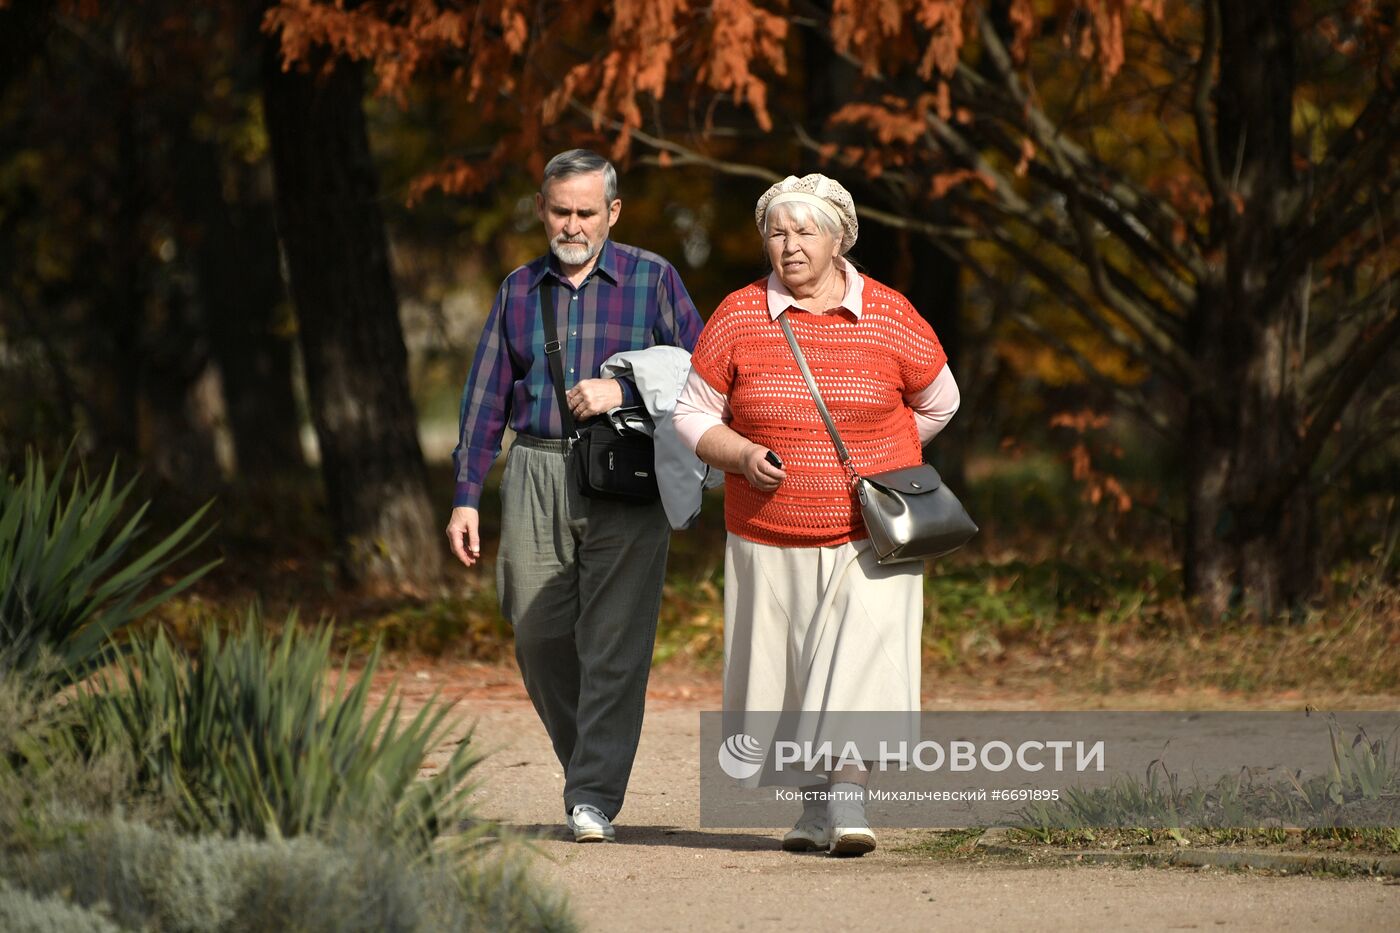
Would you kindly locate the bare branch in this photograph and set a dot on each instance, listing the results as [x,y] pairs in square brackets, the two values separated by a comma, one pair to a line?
[945,136]
[1369,128]
[1357,161]
[1130,401]
[1200,106]
[1155,260]
[1162,264]
[1367,351]
[1336,225]
[685,155]
[1379,426]
[1358,318]
[1165,353]
[1172,324]
[1120,200]
[1150,212]
[1060,287]
[1125,308]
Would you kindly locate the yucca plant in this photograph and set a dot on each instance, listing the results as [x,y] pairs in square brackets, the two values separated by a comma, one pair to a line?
[1362,769]
[246,737]
[71,569]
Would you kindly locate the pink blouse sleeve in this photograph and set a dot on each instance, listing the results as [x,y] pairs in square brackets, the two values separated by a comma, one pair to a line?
[933,405]
[699,408]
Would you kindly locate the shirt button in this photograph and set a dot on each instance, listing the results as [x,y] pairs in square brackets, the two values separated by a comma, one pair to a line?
[575,298]
[573,333]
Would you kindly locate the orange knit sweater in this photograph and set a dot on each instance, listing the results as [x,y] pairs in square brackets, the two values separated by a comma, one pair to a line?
[864,367]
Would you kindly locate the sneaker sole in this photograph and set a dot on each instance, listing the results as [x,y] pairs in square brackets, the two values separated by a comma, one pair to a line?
[852,844]
[594,837]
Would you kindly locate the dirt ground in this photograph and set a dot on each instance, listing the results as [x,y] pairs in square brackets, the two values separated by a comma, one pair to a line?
[666,873]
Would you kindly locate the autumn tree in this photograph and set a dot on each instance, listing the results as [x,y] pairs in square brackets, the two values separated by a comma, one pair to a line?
[332,233]
[224,182]
[1236,253]
[141,257]
[1208,188]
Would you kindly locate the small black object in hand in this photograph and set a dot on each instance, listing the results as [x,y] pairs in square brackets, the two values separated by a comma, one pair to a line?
[773,459]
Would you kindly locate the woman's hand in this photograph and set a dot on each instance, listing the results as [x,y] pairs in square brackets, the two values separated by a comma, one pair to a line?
[726,449]
[761,474]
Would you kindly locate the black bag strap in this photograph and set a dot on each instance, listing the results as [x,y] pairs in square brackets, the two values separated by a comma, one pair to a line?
[552,348]
[841,451]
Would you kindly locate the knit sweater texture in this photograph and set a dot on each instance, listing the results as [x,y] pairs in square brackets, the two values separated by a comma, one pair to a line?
[864,367]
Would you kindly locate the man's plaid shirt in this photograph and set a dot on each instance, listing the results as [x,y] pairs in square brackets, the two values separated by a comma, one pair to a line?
[632,299]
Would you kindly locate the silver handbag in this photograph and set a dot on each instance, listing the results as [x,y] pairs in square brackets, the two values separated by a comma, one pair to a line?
[909,514]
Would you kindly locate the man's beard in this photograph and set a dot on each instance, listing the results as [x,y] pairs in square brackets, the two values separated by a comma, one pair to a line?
[573,252]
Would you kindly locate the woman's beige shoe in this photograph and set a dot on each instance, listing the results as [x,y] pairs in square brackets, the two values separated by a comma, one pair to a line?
[852,841]
[807,836]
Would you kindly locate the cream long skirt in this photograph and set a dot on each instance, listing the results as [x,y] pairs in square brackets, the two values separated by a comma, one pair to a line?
[820,629]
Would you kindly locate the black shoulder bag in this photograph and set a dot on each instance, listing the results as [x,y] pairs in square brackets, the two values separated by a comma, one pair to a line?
[612,456]
[909,513]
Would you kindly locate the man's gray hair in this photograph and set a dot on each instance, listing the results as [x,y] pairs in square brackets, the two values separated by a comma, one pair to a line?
[582,162]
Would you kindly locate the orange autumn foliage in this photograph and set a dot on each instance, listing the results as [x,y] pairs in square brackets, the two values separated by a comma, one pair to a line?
[1098,485]
[613,61]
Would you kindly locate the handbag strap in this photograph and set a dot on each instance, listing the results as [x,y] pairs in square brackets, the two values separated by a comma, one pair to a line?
[841,452]
[552,354]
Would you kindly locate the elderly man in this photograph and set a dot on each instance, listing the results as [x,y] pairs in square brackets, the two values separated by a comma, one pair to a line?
[579,579]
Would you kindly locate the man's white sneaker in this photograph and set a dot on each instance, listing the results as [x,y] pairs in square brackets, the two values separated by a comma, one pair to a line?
[809,835]
[588,824]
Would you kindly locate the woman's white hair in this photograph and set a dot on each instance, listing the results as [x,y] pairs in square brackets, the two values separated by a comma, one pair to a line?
[802,214]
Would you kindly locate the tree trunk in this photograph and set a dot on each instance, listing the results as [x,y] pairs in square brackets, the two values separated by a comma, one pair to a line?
[351,339]
[240,289]
[1244,427]
[112,352]
[177,424]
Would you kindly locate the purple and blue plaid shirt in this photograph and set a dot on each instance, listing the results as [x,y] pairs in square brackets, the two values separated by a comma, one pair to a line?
[632,299]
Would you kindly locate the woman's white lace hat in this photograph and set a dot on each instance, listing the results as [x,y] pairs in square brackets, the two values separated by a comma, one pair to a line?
[825,194]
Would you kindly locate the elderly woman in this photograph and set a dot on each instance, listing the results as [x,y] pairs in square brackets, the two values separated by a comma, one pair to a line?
[812,622]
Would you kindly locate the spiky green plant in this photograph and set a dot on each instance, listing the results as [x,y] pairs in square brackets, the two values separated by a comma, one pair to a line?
[1360,769]
[71,570]
[246,737]
[1363,771]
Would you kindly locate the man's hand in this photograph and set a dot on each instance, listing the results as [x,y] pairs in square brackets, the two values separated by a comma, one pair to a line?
[465,522]
[593,397]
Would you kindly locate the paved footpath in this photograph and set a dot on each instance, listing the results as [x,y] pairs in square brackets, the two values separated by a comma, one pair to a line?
[666,873]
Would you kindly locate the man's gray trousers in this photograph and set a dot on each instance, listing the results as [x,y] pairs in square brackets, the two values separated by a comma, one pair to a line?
[580,582]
